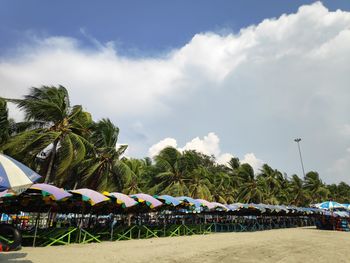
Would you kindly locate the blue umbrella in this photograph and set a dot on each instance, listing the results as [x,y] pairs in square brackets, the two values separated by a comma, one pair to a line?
[15,176]
[189,200]
[346,205]
[330,205]
[169,200]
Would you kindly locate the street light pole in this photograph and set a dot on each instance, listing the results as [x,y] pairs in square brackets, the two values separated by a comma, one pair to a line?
[297,140]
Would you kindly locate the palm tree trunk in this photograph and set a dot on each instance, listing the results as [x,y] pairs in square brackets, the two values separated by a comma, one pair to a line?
[52,159]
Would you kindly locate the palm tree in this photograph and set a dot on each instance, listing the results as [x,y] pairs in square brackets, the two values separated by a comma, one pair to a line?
[297,191]
[250,190]
[4,122]
[199,184]
[102,169]
[172,172]
[315,187]
[271,177]
[134,171]
[54,131]
[232,169]
[222,187]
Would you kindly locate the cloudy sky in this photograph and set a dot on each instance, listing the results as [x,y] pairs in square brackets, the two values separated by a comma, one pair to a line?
[230,78]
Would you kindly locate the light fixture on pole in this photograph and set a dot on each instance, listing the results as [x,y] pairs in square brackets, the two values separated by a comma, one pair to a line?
[297,140]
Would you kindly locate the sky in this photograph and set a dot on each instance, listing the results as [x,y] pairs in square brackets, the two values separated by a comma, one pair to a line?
[226,78]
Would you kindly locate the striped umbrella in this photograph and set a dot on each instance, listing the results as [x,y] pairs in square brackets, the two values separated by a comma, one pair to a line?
[206,203]
[189,200]
[169,200]
[5,194]
[15,176]
[330,205]
[90,196]
[346,205]
[232,207]
[121,199]
[51,191]
[219,206]
[145,198]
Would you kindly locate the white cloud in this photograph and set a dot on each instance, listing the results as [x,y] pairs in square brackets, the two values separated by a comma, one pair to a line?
[264,85]
[253,161]
[156,148]
[224,158]
[209,145]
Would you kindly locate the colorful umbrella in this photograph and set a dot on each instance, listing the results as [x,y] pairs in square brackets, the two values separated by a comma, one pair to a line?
[167,199]
[232,207]
[90,196]
[206,203]
[53,192]
[5,194]
[330,205]
[15,176]
[346,205]
[219,206]
[189,200]
[121,199]
[149,200]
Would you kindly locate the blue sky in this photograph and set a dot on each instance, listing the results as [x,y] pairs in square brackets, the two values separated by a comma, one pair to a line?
[227,78]
[137,26]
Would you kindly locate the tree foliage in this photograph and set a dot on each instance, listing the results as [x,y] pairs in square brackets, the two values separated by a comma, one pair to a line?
[63,143]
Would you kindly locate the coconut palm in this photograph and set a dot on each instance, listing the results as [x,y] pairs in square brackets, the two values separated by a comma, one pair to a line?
[133,171]
[250,190]
[4,122]
[297,191]
[54,131]
[102,169]
[222,187]
[199,184]
[172,172]
[315,187]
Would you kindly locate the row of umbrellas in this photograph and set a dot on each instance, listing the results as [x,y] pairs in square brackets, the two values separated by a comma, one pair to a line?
[93,198]
[331,205]
[18,180]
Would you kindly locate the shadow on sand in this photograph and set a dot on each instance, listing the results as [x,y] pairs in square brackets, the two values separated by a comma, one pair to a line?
[13,257]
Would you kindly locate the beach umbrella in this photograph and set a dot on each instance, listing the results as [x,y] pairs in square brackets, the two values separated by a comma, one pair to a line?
[145,198]
[189,200]
[346,205]
[5,194]
[15,176]
[51,191]
[206,203]
[330,205]
[232,207]
[121,199]
[90,196]
[167,199]
[219,206]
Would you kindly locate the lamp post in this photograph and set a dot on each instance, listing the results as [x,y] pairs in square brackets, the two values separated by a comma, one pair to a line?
[297,140]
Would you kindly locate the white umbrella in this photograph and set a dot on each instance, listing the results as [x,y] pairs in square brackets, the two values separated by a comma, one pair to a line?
[15,176]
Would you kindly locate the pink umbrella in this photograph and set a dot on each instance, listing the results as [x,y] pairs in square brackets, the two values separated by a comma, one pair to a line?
[206,203]
[90,196]
[219,206]
[6,193]
[122,199]
[49,190]
[149,200]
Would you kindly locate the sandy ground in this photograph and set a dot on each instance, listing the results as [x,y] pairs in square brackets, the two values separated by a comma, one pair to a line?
[284,245]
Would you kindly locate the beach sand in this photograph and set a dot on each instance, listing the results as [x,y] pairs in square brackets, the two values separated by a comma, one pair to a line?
[283,245]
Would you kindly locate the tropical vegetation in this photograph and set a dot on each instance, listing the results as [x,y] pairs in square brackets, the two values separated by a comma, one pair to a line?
[67,147]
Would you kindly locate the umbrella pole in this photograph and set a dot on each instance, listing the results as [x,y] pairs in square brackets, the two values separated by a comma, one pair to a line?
[36,228]
[112,226]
